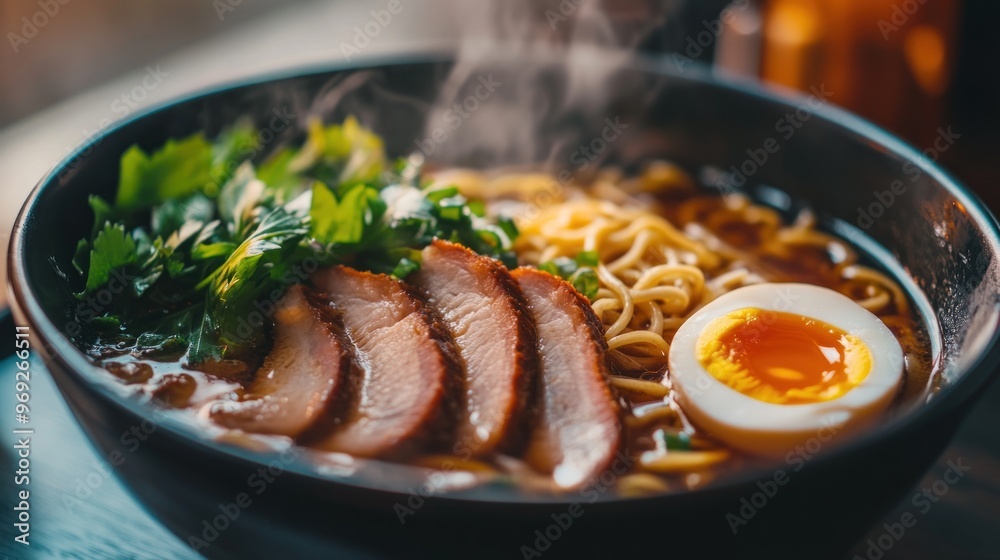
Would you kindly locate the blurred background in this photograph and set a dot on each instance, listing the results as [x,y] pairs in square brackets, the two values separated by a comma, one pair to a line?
[920,68]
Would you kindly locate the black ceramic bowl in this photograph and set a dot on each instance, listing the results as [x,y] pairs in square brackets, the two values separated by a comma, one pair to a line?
[944,243]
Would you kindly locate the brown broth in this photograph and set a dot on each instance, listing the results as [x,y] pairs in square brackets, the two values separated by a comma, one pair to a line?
[168,383]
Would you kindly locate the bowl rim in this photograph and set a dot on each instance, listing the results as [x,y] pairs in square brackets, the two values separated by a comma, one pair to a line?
[973,377]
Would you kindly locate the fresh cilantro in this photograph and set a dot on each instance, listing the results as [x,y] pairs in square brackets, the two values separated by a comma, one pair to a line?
[204,237]
[112,249]
[279,175]
[405,267]
[178,169]
[248,274]
[341,155]
[175,213]
[510,229]
[585,281]
[343,221]
[579,271]
[233,147]
[588,258]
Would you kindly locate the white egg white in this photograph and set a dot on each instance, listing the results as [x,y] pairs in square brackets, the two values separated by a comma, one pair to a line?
[763,428]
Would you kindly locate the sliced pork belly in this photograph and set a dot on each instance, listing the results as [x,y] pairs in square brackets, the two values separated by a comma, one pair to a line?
[299,378]
[401,392]
[481,306]
[578,428]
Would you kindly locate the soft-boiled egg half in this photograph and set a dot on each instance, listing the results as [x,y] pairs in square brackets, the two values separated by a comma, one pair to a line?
[767,367]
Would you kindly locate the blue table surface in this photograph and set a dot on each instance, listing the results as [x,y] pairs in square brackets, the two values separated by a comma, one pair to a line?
[67,522]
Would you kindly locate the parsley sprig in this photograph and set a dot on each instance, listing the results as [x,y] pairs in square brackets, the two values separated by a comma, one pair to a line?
[200,240]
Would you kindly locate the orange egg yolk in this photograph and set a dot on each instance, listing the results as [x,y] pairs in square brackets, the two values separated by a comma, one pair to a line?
[782,358]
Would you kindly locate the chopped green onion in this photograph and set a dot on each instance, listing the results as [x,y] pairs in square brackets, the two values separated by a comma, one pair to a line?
[680,441]
[477,207]
[588,258]
[585,282]
[509,227]
[451,213]
[550,267]
[404,268]
[509,259]
[438,195]
[491,238]
[562,267]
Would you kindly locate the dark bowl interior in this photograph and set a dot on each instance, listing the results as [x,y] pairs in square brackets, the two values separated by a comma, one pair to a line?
[901,210]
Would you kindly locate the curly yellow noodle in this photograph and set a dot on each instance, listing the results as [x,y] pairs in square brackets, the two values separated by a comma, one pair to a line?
[655,272]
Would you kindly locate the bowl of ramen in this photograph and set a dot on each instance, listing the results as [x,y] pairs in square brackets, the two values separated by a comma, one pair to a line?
[307,320]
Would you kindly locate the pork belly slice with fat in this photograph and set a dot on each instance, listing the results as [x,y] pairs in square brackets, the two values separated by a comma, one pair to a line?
[300,377]
[400,396]
[579,429]
[482,308]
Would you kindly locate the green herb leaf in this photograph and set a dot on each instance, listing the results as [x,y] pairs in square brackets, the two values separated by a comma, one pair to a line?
[81,257]
[342,155]
[177,169]
[478,208]
[250,272]
[110,323]
[173,214]
[563,267]
[280,176]
[404,268]
[112,250]
[451,212]
[437,195]
[680,441]
[221,237]
[207,251]
[103,212]
[202,347]
[345,221]
[585,281]
[233,147]
[578,271]
[588,258]
[239,200]
[509,228]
